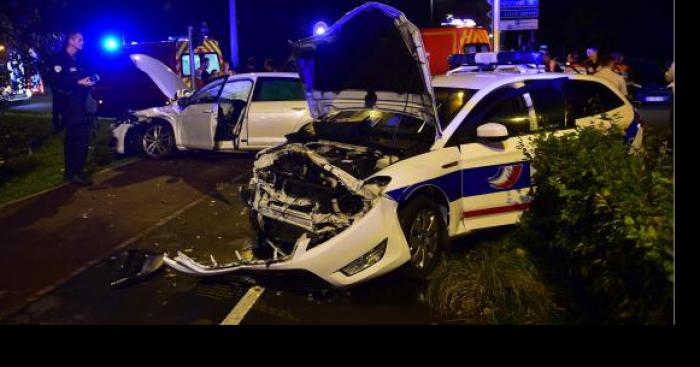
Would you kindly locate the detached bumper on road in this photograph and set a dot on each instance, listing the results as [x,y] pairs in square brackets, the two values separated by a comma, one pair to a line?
[327,259]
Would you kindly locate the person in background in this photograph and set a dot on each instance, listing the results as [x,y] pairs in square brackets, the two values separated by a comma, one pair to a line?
[606,72]
[550,64]
[226,69]
[592,63]
[250,65]
[269,66]
[573,66]
[203,72]
[670,77]
[619,65]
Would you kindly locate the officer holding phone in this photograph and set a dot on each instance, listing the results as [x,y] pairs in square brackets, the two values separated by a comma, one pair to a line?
[73,82]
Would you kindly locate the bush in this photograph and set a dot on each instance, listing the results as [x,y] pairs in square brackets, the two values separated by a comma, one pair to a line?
[602,220]
[494,283]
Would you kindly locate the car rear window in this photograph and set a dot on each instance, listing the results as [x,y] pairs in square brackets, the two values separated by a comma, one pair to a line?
[588,98]
[279,89]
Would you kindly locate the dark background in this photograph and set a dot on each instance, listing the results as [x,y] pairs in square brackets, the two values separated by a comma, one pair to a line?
[639,28]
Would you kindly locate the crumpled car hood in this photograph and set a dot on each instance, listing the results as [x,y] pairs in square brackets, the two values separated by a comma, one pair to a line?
[372,57]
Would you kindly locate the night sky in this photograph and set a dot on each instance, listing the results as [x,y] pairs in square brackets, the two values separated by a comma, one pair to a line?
[637,28]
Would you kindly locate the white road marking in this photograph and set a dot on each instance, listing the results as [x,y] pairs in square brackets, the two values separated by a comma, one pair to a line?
[244,306]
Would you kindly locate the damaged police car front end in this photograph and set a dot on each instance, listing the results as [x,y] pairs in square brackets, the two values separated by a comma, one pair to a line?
[319,203]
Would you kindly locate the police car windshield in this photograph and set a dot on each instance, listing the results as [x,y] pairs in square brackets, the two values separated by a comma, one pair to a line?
[450,101]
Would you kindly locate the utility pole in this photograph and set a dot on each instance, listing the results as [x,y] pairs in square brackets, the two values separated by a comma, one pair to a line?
[496,25]
[432,17]
[193,77]
[233,26]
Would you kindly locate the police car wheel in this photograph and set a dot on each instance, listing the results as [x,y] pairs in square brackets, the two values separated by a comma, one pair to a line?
[158,141]
[426,234]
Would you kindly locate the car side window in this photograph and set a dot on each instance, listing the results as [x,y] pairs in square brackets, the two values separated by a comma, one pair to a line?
[506,106]
[588,98]
[550,107]
[237,90]
[279,89]
[207,94]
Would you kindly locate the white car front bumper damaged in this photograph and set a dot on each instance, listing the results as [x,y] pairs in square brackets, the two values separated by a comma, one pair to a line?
[313,216]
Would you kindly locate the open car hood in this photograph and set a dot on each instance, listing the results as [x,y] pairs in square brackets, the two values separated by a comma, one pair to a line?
[372,57]
[167,81]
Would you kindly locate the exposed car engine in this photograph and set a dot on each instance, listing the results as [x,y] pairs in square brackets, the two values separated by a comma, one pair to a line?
[311,191]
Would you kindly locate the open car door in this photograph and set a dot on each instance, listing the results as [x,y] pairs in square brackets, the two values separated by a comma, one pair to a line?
[199,117]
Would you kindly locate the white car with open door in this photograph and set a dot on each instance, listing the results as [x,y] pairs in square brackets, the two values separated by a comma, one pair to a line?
[230,114]
[393,167]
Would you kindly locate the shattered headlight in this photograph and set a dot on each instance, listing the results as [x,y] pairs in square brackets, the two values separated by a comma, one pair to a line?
[365,261]
[377,184]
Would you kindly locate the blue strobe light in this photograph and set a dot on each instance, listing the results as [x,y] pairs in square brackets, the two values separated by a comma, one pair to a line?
[110,44]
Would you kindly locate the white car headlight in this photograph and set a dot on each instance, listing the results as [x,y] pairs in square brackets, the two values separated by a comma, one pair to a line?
[365,261]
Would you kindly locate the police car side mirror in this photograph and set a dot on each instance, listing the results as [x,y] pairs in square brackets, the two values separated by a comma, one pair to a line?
[492,132]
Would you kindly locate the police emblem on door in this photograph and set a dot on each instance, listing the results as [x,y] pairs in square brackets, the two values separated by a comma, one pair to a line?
[506,177]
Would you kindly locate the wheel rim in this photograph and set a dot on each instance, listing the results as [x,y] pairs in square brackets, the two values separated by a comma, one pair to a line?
[157,141]
[423,239]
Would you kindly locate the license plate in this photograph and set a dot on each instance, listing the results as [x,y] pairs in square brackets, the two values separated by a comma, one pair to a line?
[656,99]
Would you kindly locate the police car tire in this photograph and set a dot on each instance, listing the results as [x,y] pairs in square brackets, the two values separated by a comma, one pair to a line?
[170,149]
[407,216]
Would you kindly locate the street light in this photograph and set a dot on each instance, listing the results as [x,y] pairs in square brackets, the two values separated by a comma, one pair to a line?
[2,48]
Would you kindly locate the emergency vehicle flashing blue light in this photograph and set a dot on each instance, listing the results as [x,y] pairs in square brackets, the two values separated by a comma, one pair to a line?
[493,58]
[320,28]
[110,44]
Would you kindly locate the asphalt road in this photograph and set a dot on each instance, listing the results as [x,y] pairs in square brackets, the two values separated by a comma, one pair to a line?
[215,224]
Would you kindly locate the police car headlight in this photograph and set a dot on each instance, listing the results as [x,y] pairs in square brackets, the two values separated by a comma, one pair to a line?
[365,261]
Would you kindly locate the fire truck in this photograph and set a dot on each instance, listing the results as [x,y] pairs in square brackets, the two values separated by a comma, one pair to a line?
[123,87]
[442,42]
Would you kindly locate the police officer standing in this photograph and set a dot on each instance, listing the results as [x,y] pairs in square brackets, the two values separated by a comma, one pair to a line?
[71,81]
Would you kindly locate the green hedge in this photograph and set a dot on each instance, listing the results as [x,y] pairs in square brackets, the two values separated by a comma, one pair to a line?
[602,221]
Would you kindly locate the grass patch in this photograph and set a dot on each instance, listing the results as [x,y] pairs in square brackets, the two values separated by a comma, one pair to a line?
[31,155]
[493,283]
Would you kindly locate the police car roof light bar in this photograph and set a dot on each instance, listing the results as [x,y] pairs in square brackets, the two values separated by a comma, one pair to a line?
[485,59]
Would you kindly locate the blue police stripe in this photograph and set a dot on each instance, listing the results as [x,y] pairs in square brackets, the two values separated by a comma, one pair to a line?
[631,132]
[475,182]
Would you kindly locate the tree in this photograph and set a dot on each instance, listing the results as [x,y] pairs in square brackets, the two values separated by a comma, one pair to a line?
[23,32]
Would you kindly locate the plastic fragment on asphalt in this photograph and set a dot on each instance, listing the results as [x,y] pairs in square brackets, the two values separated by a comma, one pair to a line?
[137,265]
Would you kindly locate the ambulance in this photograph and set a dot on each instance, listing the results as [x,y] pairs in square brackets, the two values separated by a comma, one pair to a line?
[123,87]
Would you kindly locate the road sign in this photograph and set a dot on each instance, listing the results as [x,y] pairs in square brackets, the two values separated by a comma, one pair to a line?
[519,24]
[520,13]
[519,3]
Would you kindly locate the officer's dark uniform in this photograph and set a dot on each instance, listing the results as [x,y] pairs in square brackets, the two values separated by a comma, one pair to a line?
[67,71]
[58,99]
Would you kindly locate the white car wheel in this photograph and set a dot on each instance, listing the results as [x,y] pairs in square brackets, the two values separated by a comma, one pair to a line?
[158,141]
[426,234]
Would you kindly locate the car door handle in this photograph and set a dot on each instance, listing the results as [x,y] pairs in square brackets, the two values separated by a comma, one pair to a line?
[450,165]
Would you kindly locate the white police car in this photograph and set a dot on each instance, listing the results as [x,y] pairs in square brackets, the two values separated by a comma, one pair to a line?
[392,169]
